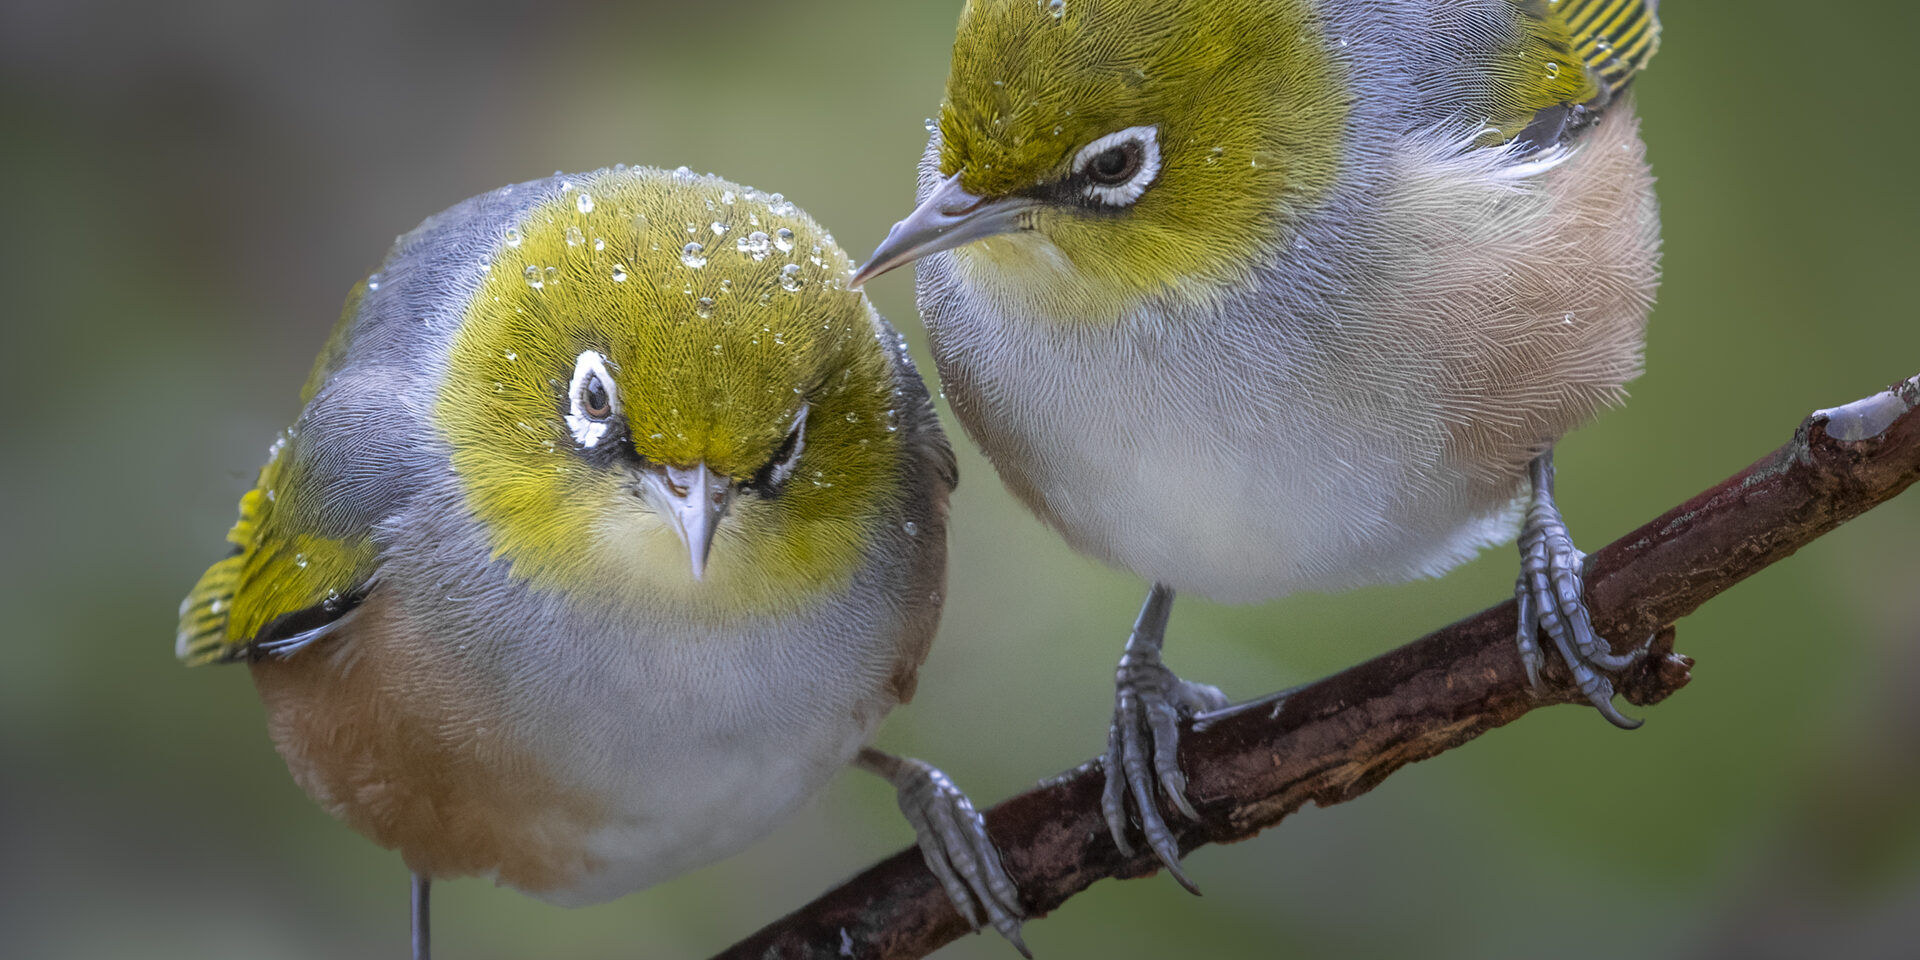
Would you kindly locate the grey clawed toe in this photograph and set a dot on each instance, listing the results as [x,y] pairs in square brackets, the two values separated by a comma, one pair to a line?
[1550,595]
[1142,761]
[954,843]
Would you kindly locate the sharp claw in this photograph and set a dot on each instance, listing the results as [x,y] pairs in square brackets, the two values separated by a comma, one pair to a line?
[1013,937]
[1529,617]
[1180,876]
[1549,594]
[1113,804]
[1165,723]
[1143,743]
[1600,693]
[1614,663]
[934,849]
[1154,826]
[1615,717]
[1597,689]
[1133,759]
[954,845]
[1176,791]
[1113,795]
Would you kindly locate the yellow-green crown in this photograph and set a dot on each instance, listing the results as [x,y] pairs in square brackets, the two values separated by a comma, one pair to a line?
[720,311]
[1249,107]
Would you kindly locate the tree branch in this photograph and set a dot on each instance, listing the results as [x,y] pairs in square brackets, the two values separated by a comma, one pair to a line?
[1337,739]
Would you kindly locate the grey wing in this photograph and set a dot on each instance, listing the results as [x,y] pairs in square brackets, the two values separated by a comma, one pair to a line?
[932,472]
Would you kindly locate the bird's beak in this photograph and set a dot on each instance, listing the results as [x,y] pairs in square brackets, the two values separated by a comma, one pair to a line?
[695,499]
[950,217]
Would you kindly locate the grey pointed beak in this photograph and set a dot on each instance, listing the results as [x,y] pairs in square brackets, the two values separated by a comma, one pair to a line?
[694,498]
[950,217]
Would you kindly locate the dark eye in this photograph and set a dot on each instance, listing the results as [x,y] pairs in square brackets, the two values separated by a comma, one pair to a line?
[1116,170]
[1115,165]
[769,480]
[594,401]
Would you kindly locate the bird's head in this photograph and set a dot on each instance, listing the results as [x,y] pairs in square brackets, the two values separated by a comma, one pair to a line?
[664,387]
[1110,149]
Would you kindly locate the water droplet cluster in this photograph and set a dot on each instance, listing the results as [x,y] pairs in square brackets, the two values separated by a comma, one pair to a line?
[604,238]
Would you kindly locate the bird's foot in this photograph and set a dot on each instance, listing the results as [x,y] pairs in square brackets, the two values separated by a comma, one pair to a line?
[1550,593]
[1143,744]
[954,842]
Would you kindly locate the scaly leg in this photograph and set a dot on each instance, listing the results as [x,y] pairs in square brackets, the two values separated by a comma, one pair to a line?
[954,843]
[1549,592]
[422,930]
[1143,744]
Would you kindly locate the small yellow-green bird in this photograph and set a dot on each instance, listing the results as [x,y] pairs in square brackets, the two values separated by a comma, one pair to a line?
[1252,297]
[613,523]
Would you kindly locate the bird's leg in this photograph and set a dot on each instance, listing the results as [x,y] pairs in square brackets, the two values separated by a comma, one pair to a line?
[1549,593]
[422,931]
[954,842]
[1143,744]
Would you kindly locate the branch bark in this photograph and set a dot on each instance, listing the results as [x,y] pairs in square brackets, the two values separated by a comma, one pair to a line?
[1338,738]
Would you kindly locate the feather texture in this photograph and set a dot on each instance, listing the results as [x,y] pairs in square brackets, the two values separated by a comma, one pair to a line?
[1358,406]
[585,736]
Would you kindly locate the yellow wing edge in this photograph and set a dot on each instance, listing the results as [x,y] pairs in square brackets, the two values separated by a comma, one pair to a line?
[1614,38]
[279,590]
[206,612]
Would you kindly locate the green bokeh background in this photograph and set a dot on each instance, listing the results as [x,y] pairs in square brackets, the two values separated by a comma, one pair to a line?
[190,188]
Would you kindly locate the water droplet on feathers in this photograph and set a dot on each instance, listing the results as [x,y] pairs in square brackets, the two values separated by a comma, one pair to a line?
[754,245]
[693,255]
[583,202]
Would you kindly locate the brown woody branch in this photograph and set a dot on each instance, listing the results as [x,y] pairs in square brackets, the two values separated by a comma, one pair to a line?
[1337,739]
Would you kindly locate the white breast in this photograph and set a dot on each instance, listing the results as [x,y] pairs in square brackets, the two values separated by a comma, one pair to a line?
[1243,451]
[701,742]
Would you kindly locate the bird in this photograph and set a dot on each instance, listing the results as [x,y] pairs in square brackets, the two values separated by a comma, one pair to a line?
[611,525]
[1255,297]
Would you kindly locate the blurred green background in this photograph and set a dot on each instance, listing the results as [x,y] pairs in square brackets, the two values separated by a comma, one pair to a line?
[191,187]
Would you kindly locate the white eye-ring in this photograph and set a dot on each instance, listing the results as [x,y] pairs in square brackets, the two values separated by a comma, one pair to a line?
[1120,166]
[785,460]
[591,399]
